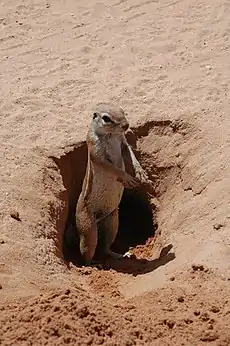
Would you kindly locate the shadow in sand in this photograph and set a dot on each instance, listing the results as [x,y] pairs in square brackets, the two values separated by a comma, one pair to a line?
[133,266]
[136,266]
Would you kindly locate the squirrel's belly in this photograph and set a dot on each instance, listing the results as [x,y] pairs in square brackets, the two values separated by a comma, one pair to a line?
[106,194]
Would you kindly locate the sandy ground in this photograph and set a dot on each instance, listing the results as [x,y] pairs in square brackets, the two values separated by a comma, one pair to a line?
[167,63]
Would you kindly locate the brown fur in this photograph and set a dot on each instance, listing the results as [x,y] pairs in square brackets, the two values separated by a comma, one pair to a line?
[105,179]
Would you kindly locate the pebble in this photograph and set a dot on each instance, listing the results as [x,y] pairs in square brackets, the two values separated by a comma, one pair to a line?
[196,312]
[204,317]
[180,299]
[209,336]
[196,267]
[217,226]
[15,215]
[214,309]
[169,323]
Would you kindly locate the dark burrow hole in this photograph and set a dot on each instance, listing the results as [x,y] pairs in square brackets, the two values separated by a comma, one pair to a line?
[136,213]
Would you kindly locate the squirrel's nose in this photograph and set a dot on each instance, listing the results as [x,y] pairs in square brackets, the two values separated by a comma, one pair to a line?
[125,126]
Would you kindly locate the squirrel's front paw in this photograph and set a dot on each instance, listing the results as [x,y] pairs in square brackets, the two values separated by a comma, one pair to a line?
[128,181]
[142,176]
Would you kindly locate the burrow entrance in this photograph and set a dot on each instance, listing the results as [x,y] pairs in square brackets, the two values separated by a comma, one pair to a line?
[136,214]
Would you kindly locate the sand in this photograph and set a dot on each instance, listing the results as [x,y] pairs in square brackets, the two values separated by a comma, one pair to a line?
[167,63]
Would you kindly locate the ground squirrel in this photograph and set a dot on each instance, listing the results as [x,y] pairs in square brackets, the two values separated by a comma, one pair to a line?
[105,179]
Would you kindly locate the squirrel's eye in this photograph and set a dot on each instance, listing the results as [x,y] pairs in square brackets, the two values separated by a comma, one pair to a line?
[106,119]
[94,115]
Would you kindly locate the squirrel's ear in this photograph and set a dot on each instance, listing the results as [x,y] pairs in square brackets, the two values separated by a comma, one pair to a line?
[94,115]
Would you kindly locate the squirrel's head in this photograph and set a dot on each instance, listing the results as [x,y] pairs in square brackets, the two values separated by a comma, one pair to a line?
[109,118]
